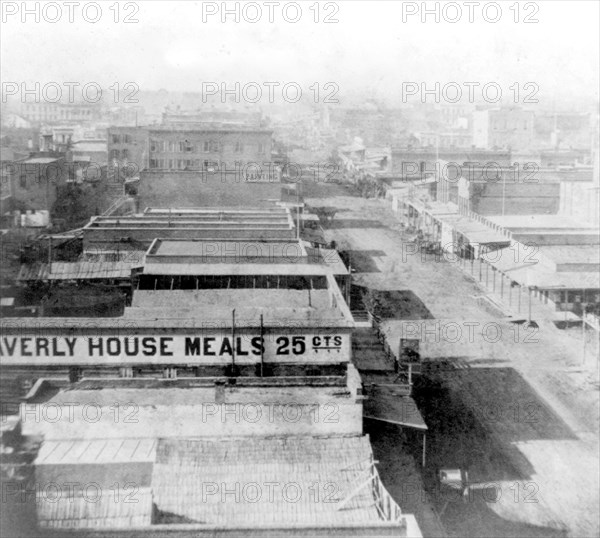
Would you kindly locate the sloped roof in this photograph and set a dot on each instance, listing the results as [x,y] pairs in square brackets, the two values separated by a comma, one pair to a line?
[75,271]
[190,477]
[96,451]
[109,470]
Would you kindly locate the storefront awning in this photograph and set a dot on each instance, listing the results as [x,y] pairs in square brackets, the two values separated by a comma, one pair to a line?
[387,403]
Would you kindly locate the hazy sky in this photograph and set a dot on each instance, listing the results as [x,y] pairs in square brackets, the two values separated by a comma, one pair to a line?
[370,48]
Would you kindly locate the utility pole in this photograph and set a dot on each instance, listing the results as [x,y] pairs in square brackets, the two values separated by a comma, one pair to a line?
[503,192]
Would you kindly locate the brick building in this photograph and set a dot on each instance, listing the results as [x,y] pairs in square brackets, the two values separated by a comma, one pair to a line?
[193,147]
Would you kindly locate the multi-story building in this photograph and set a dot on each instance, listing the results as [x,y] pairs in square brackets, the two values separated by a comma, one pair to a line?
[503,128]
[451,138]
[128,144]
[45,112]
[191,148]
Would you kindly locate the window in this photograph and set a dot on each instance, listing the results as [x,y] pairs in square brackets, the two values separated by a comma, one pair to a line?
[23,181]
[154,145]
[153,163]
[114,154]
[211,146]
[239,147]
[125,154]
[116,139]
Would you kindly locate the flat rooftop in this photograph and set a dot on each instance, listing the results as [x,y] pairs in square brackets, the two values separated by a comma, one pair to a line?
[240,257]
[197,396]
[572,254]
[529,272]
[187,216]
[155,211]
[173,321]
[249,304]
[542,222]
[223,249]
[277,307]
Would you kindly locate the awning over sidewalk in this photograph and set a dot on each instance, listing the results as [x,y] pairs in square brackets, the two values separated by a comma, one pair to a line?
[387,403]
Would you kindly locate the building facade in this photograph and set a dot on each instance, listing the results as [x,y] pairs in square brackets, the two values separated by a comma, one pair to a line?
[503,128]
[192,148]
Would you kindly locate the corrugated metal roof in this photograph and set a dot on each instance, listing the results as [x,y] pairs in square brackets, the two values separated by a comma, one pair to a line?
[96,451]
[108,508]
[76,271]
[319,474]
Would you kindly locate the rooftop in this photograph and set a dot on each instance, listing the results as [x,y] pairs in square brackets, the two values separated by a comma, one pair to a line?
[528,271]
[345,462]
[195,397]
[201,257]
[557,222]
[226,299]
[572,254]
[248,250]
[108,451]
[83,270]
[291,486]
[40,160]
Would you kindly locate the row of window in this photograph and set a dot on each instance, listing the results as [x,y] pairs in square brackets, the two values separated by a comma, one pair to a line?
[505,125]
[124,139]
[576,297]
[208,146]
[182,164]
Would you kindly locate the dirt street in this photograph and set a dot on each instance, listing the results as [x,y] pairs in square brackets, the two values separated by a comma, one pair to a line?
[531,398]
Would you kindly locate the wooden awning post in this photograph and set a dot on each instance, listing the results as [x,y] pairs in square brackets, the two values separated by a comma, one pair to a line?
[262,347]
[233,337]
